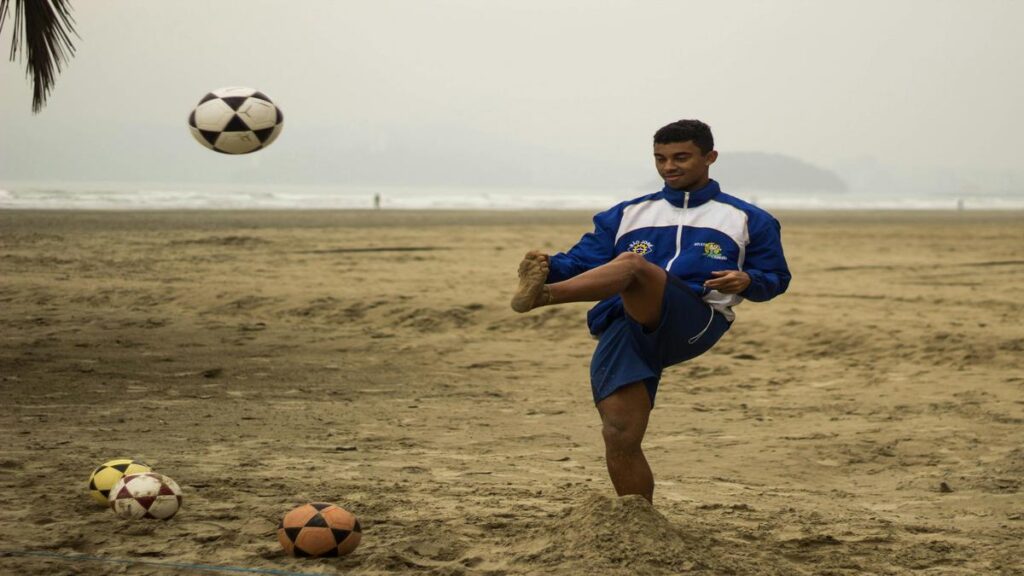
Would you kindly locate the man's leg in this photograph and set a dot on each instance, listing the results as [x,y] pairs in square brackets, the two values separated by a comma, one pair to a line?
[640,283]
[624,417]
[625,413]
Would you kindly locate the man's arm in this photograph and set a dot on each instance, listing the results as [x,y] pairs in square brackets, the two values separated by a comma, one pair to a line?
[765,263]
[594,249]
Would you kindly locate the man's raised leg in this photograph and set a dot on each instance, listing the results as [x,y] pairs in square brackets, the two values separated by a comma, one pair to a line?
[624,417]
[640,283]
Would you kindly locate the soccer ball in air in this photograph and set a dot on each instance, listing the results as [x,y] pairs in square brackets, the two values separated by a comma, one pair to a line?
[319,530]
[146,495]
[107,474]
[235,120]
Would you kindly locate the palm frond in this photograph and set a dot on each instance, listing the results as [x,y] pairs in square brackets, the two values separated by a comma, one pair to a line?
[43,29]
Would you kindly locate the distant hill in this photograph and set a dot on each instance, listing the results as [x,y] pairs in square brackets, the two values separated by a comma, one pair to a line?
[764,171]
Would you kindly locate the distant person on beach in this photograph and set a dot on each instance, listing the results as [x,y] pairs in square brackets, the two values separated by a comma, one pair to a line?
[665,270]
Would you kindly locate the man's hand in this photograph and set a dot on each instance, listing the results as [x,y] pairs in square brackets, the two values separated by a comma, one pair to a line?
[728,281]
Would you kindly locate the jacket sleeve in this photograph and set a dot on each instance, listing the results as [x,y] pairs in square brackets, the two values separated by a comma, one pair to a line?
[765,262]
[594,249]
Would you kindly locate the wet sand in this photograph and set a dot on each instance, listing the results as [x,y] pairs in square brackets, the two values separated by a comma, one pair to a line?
[869,421]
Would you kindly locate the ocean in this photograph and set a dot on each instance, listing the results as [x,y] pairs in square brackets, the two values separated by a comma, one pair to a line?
[120,196]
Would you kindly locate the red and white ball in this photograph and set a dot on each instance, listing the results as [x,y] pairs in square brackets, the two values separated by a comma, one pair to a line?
[146,495]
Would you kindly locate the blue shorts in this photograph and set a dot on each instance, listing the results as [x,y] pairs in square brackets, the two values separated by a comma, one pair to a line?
[627,352]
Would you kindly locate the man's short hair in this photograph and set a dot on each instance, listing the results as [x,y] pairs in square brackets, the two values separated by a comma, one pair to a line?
[687,131]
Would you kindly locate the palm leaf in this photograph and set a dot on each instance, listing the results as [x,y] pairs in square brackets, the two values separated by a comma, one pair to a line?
[42,29]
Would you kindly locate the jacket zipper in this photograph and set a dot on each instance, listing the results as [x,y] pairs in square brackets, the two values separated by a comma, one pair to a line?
[679,231]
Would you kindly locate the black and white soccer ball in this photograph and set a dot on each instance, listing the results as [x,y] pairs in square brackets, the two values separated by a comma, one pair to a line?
[235,120]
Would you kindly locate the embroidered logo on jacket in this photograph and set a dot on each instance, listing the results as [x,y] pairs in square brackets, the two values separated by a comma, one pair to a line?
[641,246]
[711,250]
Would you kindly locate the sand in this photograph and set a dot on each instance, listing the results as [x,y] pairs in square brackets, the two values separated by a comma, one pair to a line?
[869,421]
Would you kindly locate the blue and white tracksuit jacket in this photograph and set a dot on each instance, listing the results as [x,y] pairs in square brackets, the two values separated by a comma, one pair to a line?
[690,234]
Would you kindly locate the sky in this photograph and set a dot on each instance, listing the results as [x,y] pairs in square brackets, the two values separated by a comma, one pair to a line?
[912,95]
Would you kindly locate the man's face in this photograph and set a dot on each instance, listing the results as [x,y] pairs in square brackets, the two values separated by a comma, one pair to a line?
[682,165]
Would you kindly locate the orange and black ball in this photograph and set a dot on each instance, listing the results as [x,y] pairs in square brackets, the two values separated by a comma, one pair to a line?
[319,530]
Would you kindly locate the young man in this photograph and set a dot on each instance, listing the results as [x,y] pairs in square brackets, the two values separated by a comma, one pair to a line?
[666,270]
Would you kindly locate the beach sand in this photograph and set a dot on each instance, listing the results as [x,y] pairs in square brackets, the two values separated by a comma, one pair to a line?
[869,421]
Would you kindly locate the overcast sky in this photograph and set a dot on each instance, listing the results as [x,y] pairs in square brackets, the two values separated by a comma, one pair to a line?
[529,92]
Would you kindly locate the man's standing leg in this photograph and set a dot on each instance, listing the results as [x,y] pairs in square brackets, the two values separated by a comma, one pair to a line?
[624,417]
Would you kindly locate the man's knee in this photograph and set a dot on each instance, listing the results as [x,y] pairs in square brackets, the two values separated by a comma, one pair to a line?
[622,434]
[623,428]
[633,259]
[639,267]
[624,416]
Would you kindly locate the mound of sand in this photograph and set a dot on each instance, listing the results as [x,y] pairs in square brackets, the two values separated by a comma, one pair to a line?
[628,534]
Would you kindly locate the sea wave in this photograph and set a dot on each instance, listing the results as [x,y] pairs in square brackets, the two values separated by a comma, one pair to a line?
[125,197]
[168,198]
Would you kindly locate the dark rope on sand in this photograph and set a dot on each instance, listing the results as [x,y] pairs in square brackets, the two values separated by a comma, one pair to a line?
[179,565]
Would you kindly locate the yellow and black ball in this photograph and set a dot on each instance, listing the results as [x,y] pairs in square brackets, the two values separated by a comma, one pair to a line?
[107,474]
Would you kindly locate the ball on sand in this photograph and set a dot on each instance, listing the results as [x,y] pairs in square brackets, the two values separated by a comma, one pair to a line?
[146,495]
[107,474]
[319,530]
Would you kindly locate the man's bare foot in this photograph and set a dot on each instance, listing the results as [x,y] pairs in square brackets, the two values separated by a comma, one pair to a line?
[533,272]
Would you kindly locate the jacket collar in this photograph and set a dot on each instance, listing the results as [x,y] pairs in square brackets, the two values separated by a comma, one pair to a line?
[697,197]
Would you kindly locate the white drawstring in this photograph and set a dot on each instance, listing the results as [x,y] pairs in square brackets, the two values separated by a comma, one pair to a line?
[701,333]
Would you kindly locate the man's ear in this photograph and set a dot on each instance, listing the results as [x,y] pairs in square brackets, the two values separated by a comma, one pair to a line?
[710,158]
